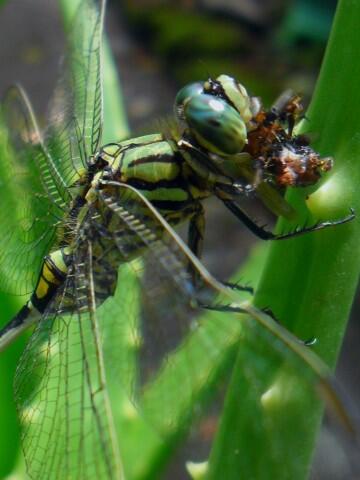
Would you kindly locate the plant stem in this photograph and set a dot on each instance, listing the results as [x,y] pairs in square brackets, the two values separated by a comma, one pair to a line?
[308,282]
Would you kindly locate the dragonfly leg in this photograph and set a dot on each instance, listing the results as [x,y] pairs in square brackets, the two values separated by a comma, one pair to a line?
[230,308]
[196,242]
[240,288]
[219,307]
[264,234]
[196,230]
[201,164]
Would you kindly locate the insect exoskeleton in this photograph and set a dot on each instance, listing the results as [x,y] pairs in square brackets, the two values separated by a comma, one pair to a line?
[284,158]
[218,114]
[295,163]
[216,125]
[234,93]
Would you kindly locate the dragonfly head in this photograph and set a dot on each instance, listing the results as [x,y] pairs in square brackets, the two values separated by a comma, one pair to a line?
[229,125]
[217,114]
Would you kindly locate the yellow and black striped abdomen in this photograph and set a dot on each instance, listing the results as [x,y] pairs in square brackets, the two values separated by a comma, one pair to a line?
[52,275]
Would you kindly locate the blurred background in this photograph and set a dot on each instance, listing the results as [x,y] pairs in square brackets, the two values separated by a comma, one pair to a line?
[269,45]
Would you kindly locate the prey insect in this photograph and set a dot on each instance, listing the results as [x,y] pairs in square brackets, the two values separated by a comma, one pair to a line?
[96,209]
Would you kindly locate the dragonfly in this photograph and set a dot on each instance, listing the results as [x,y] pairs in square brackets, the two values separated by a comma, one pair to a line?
[111,283]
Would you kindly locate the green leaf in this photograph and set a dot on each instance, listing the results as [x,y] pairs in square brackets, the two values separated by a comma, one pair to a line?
[8,360]
[308,282]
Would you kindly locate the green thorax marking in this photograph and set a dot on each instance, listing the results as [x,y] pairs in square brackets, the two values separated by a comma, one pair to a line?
[155,167]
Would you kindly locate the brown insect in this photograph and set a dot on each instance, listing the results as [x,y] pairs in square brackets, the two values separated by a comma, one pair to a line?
[282,157]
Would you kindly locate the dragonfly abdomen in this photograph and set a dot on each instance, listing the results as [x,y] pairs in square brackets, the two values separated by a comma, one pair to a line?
[53,273]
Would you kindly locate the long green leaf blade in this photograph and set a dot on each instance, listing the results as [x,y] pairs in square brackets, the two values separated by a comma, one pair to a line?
[308,282]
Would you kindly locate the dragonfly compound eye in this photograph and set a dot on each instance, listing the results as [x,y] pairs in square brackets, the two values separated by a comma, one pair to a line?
[236,95]
[216,125]
[184,95]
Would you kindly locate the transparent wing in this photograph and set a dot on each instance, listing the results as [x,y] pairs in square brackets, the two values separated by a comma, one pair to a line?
[32,195]
[61,388]
[173,359]
[127,353]
[184,356]
[156,331]
[141,228]
[75,118]
[38,169]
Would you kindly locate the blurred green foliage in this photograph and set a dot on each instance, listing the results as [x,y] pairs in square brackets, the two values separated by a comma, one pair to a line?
[194,40]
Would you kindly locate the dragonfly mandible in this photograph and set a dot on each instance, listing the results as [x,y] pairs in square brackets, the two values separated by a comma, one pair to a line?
[96,208]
